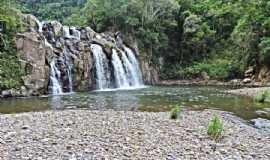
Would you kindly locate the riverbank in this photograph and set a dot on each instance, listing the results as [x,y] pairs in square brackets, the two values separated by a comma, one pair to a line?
[246,89]
[83,134]
[199,82]
[250,92]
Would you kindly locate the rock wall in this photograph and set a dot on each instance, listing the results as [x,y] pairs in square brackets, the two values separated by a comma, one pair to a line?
[37,47]
[33,54]
[150,73]
[43,43]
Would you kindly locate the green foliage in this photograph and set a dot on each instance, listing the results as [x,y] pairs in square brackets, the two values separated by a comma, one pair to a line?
[215,128]
[216,69]
[176,112]
[262,97]
[10,16]
[61,10]
[10,70]
[264,47]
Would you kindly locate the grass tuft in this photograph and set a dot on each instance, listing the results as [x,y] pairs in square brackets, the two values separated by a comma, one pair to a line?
[215,128]
[176,112]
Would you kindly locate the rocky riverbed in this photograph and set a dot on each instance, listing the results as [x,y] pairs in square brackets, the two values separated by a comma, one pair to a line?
[83,134]
[250,92]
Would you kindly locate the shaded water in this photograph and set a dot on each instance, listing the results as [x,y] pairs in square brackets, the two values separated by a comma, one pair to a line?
[154,99]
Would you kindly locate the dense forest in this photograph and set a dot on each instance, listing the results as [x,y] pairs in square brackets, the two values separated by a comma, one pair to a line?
[185,39]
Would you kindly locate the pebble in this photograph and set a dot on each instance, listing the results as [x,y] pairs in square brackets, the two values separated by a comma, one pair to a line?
[84,134]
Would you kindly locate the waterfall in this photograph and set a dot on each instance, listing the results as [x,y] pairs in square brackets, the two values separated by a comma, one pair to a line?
[113,67]
[101,65]
[119,72]
[66,32]
[135,65]
[69,66]
[40,25]
[132,73]
[47,44]
[55,86]
[71,32]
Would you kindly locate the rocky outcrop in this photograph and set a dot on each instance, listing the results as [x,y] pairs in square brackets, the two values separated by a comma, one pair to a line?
[38,47]
[249,75]
[69,49]
[33,53]
[264,75]
[150,73]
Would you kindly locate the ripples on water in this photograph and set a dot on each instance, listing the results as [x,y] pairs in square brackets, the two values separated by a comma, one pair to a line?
[154,99]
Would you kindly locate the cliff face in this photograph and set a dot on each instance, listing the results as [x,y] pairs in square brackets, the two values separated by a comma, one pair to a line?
[66,51]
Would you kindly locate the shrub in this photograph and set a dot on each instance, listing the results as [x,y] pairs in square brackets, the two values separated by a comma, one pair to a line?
[215,128]
[216,69]
[176,112]
[262,97]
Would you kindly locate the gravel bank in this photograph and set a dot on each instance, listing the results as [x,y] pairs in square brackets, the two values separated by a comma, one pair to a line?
[251,92]
[126,135]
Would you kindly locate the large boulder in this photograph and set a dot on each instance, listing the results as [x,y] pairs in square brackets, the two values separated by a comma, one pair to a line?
[247,80]
[87,33]
[6,94]
[150,73]
[57,27]
[249,72]
[264,74]
[10,93]
[31,22]
[33,50]
[261,123]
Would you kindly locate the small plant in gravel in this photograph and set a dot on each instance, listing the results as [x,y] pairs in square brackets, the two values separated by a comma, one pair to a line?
[215,128]
[176,112]
[262,97]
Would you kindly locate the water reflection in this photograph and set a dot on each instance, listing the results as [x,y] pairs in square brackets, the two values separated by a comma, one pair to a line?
[56,103]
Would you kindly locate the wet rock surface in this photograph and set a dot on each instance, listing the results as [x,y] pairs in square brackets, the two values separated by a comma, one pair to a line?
[81,134]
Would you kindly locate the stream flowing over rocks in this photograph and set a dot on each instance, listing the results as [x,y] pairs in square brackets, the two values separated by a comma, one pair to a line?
[86,135]
[59,59]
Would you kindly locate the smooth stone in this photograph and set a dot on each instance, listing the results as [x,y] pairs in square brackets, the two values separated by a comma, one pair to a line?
[261,123]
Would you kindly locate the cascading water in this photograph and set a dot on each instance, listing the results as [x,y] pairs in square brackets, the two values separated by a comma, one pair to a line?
[135,65]
[101,65]
[69,66]
[119,72]
[71,32]
[126,69]
[66,32]
[40,25]
[131,71]
[55,86]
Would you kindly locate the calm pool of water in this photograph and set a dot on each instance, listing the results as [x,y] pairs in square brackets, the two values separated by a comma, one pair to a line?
[154,99]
